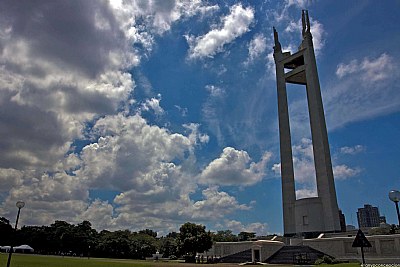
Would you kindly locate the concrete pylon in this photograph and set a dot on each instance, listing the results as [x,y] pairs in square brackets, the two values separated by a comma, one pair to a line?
[320,214]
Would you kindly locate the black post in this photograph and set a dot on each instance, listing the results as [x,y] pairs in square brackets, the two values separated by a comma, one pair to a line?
[362,255]
[11,247]
[398,212]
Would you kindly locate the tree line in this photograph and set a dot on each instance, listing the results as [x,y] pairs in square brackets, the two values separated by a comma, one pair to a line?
[63,238]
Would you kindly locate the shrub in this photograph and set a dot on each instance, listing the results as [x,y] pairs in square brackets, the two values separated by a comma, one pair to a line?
[325,259]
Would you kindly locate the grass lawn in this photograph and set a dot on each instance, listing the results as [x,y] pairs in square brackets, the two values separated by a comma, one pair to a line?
[23,260]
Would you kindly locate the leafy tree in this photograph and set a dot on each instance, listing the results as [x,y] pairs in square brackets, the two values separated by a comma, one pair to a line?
[245,236]
[193,238]
[84,237]
[148,232]
[168,246]
[6,231]
[173,235]
[224,236]
[36,236]
[115,244]
[144,245]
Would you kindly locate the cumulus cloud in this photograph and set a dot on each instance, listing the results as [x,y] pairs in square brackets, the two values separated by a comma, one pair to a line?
[234,167]
[58,196]
[153,104]
[128,150]
[233,25]
[161,14]
[59,80]
[216,204]
[342,172]
[304,170]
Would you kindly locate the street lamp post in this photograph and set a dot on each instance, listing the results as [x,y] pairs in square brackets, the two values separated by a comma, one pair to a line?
[20,205]
[394,196]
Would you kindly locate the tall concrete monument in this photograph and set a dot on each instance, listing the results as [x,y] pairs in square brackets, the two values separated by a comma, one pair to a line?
[308,216]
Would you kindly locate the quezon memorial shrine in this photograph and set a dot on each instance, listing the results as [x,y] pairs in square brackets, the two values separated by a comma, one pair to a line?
[312,226]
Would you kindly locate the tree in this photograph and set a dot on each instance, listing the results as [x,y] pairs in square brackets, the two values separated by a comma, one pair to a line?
[148,232]
[144,245]
[115,244]
[6,231]
[168,246]
[224,236]
[245,236]
[193,238]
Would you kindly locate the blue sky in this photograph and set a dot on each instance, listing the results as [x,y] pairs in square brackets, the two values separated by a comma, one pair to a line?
[148,114]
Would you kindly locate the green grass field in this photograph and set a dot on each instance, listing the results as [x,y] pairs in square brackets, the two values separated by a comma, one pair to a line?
[22,260]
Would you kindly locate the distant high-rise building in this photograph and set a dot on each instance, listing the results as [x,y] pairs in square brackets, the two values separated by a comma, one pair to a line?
[368,216]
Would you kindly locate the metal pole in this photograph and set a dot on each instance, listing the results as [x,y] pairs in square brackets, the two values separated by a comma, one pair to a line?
[398,212]
[11,247]
[362,255]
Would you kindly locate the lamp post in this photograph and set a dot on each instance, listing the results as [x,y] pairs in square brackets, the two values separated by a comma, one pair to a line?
[20,205]
[394,196]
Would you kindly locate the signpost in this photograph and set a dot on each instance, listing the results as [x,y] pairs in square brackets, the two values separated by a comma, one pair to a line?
[361,242]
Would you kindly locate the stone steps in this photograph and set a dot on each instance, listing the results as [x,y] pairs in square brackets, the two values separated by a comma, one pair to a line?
[295,255]
[240,257]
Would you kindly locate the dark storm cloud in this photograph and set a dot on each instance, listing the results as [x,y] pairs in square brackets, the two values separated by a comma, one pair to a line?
[60,65]
[27,135]
[77,34]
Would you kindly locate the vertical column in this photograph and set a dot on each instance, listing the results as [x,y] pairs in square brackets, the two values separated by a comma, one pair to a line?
[287,173]
[322,157]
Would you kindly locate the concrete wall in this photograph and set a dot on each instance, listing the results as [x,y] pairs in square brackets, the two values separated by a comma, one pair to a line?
[222,249]
[308,213]
[267,248]
[385,248]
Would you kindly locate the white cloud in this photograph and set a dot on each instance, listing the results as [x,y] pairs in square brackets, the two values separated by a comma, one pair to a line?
[352,150]
[284,14]
[306,193]
[317,31]
[59,80]
[257,47]
[304,170]
[234,167]
[100,214]
[182,111]
[127,149]
[215,91]
[195,134]
[258,228]
[366,88]
[10,178]
[342,172]
[298,3]
[153,104]
[368,70]
[158,16]
[234,25]
[55,197]
[215,204]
